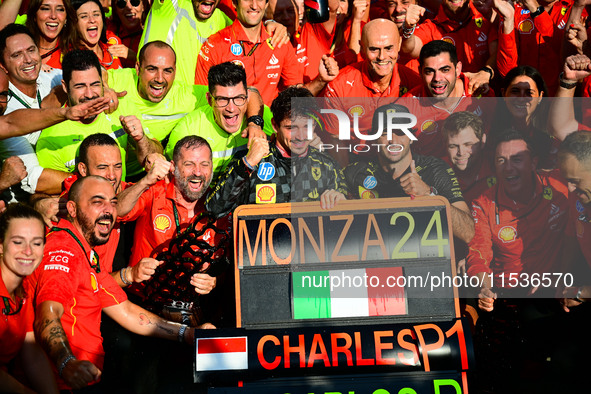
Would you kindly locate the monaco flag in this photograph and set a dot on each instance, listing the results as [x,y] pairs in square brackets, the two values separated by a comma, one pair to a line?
[216,354]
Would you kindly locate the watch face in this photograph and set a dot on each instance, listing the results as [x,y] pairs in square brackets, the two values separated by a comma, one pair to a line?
[259,121]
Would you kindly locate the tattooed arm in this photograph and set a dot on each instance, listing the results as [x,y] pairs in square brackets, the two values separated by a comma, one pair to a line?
[50,333]
[138,320]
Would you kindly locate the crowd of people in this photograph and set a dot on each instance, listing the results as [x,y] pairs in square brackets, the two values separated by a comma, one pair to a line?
[130,130]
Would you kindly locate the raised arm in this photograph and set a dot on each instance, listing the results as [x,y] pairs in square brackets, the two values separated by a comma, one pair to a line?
[25,121]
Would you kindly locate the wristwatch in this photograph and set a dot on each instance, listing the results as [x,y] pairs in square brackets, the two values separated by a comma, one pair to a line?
[256,119]
[489,71]
[565,84]
[537,12]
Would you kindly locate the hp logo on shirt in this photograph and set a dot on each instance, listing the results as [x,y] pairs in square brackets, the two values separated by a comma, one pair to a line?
[370,182]
[236,49]
[266,171]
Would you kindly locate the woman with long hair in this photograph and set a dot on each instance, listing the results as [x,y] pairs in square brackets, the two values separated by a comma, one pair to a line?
[22,239]
[93,33]
[523,109]
[52,23]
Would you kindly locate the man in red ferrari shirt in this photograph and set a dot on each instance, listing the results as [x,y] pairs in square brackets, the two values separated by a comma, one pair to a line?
[247,42]
[519,221]
[459,23]
[164,209]
[537,38]
[444,91]
[72,290]
[377,78]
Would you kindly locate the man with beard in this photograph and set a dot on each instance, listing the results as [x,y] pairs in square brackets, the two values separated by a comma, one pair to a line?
[462,25]
[186,24]
[163,209]
[162,99]
[82,82]
[72,290]
[399,172]
[444,91]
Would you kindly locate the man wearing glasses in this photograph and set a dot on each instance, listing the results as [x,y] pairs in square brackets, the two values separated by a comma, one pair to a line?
[222,121]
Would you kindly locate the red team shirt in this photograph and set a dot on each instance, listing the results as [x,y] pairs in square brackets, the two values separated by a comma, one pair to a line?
[106,252]
[471,39]
[430,118]
[536,42]
[156,226]
[526,237]
[354,92]
[15,326]
[265,66]
[65,276]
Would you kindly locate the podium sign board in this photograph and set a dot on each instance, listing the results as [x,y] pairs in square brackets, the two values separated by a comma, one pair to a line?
[364,288]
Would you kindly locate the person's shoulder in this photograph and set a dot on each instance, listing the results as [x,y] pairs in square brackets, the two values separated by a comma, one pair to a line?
[429,162]
[487,198]
[220,35]
[354,69]
[555,180]
[361,167]
[325,159]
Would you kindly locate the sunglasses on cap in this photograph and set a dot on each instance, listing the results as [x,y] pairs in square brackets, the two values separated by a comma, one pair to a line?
[122,3]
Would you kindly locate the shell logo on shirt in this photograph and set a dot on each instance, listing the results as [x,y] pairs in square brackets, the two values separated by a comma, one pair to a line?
[449,39]
[238,63]
[162,223]
[356,109]
[429,127]
[526,26]
[507,234]
[266,194]
[367,194]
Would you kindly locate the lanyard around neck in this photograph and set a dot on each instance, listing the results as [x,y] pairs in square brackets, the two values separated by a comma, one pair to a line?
[94,264]
[20,100]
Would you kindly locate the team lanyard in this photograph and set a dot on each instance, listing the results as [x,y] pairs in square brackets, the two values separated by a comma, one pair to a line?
[176,218]
[497,216]
[94,264]
[6,311]
[254,48]
[20,100]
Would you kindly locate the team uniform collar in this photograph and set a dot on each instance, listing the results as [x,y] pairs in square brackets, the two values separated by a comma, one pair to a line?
[517,207]
[240,35]
[368,83]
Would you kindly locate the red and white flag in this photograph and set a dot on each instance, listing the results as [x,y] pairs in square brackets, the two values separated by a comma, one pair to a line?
[217,354]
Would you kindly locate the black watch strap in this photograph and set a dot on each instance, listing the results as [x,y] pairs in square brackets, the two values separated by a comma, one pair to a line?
[256,119]
[566,84]
[537,12]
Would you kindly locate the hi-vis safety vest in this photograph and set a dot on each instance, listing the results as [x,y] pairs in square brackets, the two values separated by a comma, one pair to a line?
[174,22]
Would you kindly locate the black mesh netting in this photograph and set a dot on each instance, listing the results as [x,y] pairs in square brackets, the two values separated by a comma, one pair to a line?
[202,247]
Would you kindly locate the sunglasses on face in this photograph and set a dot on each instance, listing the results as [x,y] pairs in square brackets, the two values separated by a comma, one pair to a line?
[122,3]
